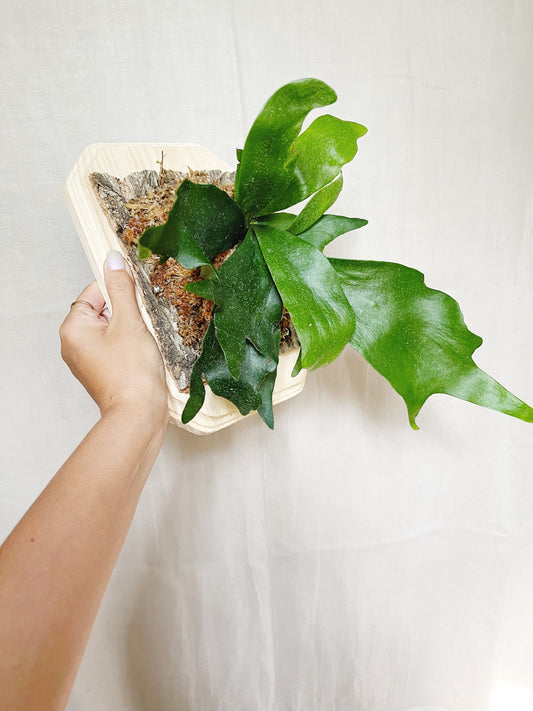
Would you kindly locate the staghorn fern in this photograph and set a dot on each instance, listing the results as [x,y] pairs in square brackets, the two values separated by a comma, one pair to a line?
[413,335]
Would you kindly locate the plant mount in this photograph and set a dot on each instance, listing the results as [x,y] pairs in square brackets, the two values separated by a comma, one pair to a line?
[255,260]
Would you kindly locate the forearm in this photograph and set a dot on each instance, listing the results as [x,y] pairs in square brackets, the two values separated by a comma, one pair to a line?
[55,565]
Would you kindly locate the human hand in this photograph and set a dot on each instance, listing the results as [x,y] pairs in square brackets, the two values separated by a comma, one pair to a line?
[114,357]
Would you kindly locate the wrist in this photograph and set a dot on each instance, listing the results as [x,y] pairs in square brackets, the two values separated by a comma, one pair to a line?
[147,416]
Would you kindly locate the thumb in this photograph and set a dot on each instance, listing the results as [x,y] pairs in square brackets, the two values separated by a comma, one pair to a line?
[120,288]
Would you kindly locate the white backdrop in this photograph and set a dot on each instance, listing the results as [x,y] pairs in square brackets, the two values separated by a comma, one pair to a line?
[342,562]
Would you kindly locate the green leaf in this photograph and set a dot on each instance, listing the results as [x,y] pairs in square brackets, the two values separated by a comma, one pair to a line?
[278,167]
[324,231]
[281,220]
[253,390]
[320,153]
[270,139]
[312,293]
[265,411]
[417,339]
[203,222]
[196,383]
[248,306]
[321,201]
[143,252]
[329,227]
[298,365]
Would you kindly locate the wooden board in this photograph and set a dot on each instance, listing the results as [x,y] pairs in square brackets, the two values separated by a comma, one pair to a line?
[97,238]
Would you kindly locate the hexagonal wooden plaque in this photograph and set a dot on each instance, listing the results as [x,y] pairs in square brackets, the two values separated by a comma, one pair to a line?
[98,237]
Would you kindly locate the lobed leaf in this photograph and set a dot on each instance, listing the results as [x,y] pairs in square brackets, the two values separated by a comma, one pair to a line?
[320,152]
[417,339]
[253,390]
[248,306]
[278,167]
[312,293]
[203,222]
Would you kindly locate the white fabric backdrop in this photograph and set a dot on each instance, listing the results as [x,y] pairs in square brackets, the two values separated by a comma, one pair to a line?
[343,562]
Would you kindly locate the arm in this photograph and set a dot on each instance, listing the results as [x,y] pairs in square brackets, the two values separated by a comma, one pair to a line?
[55,565]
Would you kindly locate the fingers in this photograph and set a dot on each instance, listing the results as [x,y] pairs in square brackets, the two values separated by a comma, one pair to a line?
[106,314]
[120,288]
[85,309]
[93,298]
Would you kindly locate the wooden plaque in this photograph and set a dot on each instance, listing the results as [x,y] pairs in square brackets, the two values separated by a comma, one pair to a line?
[98,237]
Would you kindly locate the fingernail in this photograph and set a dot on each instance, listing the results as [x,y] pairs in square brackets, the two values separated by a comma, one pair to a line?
[115,260]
